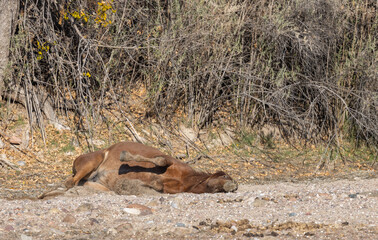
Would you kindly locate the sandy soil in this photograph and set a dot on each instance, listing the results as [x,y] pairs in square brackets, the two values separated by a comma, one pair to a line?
[316,209]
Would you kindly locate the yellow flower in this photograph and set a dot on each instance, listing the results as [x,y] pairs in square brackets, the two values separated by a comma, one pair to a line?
[87,74]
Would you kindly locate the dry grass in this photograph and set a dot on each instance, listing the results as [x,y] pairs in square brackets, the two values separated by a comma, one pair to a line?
[307,67]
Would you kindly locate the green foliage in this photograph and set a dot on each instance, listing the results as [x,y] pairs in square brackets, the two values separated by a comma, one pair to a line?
[248,138]
[19,122]
[267,140]
[68,148]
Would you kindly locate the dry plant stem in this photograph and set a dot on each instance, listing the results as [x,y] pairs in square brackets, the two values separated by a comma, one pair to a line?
[307,67]
[31,155]
[6,163]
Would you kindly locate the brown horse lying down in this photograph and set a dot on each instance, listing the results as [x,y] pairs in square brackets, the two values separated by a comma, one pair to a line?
[129,160]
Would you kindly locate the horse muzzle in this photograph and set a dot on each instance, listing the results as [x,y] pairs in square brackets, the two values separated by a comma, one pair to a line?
[230,186]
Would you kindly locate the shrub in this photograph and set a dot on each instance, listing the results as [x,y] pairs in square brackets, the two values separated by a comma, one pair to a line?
[307,67]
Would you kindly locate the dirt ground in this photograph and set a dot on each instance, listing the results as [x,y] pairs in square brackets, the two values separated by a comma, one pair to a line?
[294,204]
[285,191]
[316,209]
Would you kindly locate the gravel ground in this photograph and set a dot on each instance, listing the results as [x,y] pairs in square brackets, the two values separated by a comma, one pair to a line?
[318,209]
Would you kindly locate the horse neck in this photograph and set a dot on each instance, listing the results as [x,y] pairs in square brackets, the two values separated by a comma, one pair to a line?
[197,181]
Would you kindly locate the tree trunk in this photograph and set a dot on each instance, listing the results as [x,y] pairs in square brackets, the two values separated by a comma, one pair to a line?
[8,16]
[34,100]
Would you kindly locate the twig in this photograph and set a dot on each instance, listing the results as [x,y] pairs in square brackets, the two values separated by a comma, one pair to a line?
[9,164]
[33,157]
[195,159]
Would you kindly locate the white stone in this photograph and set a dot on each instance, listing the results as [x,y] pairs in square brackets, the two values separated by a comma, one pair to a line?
[25,237]
[133,211]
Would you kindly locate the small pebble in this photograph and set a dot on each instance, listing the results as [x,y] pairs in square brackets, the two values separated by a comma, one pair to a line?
[174,205]
[54,211]
[180,224]
[274,234]
[15,140]
[133,211]
[56,231]
[21,163]
[352,195]
[124,227]
[85,207]
[111,231]
[25,237]
[9,228]
[69,219]
[94,221]
[309,234]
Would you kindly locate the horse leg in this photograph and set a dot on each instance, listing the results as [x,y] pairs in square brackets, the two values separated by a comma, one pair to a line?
[155,183]
[96,186]
[147,179]
[82,174]
[158,161]
[84,166]
[53,193]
